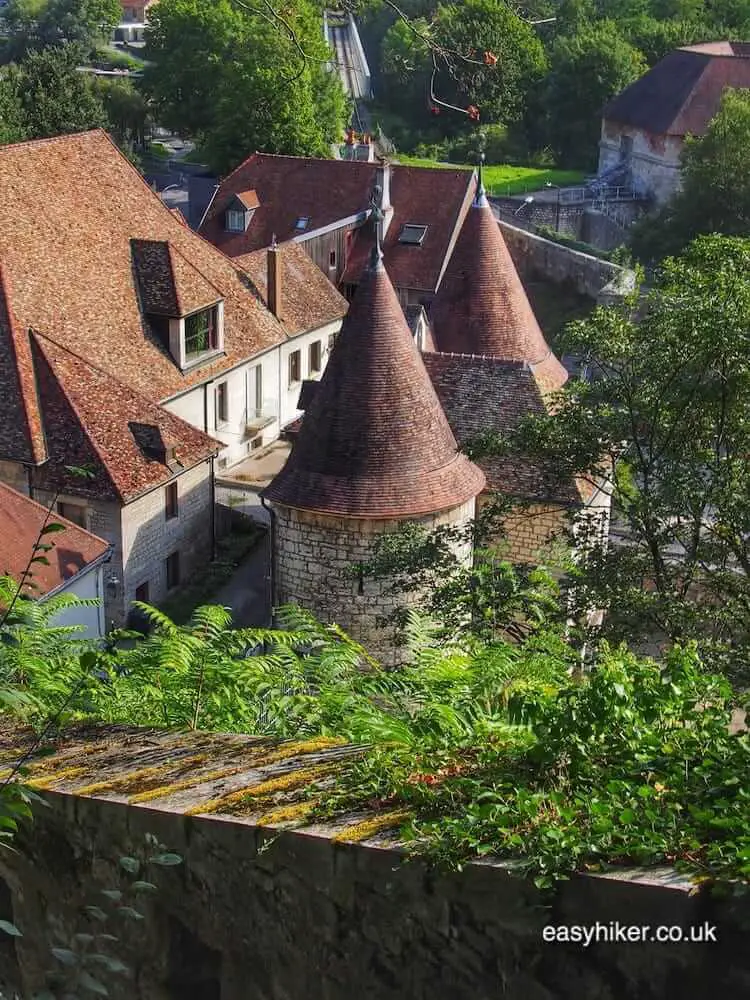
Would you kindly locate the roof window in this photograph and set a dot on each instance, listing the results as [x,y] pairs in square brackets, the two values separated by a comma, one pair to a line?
[302,223]
[412,235]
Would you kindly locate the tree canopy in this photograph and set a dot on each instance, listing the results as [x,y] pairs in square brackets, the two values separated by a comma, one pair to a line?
[665,422]
[37,24]
[586,70]
[237,82]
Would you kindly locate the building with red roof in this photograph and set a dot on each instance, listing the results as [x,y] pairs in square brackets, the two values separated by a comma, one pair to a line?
[644,127]
[326,207]
[73,564]
[134,356]
[374,451]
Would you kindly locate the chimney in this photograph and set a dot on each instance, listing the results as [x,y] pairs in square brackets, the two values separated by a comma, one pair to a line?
[383,182]
[273,278]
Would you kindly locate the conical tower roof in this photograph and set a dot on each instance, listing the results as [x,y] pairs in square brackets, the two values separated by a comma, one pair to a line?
[375,442]
[481,307]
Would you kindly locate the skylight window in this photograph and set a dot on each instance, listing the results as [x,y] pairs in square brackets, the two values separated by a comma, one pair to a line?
[302,223]
[412,235]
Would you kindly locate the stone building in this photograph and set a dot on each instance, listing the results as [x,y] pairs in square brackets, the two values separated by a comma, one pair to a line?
[138,354]
[644,127]
[374,451]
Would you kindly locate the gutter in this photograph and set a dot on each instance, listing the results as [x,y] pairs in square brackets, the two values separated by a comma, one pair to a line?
[208,207]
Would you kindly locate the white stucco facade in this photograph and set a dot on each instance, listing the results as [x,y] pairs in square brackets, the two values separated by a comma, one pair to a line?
[260,397]
[86,585]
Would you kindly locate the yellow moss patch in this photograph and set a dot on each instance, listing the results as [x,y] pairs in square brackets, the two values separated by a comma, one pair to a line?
[298,747]
[369,827]
[284,783]
[179,786]
[123,780]
[292,813]
[50,779]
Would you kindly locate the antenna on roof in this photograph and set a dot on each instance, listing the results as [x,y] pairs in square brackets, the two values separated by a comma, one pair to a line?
[273,241]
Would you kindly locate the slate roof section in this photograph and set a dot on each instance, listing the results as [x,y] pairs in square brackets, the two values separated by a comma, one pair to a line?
[480,394]
[169,284]
[327,191]
[308,299]
[481,307]
[682,92]
[21,521]
[375,442]
[89,420]
[69,210]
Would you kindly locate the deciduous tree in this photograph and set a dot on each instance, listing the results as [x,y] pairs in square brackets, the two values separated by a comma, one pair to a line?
[233,77]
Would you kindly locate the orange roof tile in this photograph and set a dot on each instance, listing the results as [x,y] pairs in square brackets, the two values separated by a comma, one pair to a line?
[308,299]
[69,210]
[93,421]
[21,521]
[326,191]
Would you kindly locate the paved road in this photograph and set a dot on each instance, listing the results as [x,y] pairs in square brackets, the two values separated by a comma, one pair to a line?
[247,592]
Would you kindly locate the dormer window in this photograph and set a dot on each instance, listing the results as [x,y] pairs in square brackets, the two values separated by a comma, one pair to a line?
[240,211]
[201,333]
[236,221]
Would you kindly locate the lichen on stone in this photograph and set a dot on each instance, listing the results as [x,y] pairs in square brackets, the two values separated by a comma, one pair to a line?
[367,828]
[63,774]
[293,812]
[285,782]
[122,781]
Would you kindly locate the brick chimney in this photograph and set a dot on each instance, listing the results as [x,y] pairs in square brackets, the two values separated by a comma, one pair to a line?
[273,278]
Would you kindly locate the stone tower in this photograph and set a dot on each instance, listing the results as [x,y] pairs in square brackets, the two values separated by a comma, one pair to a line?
[481,306]
[374,451]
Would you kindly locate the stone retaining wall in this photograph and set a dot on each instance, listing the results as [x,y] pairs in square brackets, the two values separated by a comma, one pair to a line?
[535,256]
[249,916]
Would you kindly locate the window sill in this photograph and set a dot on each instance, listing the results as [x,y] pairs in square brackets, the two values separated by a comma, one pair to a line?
[201,359]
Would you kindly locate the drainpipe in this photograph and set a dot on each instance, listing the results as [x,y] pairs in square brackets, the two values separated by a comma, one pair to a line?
[205,407]
[272,560]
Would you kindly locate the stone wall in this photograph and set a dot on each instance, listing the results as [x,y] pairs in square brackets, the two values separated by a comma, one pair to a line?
[313,554]
[14,474]
[654,160]
[148,538]
[251,916]
[529,531]
[535,256]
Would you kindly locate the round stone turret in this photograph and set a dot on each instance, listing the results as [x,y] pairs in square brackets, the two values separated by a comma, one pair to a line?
[374,451]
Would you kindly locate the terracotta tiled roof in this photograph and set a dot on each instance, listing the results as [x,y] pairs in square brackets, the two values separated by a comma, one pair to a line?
[169,284]
[308,299]
[485,394]
[481,307]
[21,428]
[69,211]
[21,521]
[435,198]
[290,188]
[682,93]
[375,442]
[92,421]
